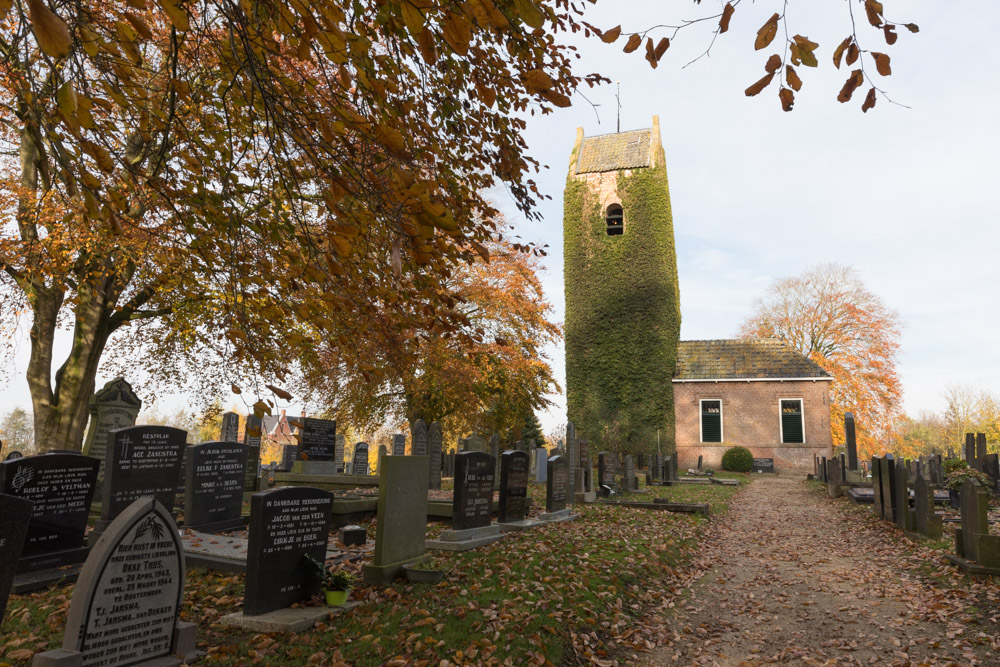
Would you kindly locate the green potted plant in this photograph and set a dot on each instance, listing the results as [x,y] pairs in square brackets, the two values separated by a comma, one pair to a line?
[955,479]
[336,583]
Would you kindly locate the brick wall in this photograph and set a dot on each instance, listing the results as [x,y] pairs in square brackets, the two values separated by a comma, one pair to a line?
[750,418]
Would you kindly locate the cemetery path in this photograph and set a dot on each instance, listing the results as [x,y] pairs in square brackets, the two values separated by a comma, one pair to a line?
[791,577]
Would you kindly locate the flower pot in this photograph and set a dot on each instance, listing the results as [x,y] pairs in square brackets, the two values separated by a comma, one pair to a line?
[336,598]
[954,499]
[415,574]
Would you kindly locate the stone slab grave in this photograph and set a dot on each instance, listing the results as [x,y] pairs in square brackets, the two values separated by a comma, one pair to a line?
[115,406]
[213,489]
[556,493]
[317,449]
[125,605]
[142,461]
[61,489]
[761,465]
[252,435]
[401,528]
[977,552]
[286,526]
[513,513]
[472,504]
[662,504]
[16,513]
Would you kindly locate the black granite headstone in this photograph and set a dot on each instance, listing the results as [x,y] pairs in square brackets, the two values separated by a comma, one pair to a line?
[763,465]
[252,435]
[514,486]
[285,525]
[13,455]
[399,445]
[142,462]
[555,486]
[213,492]
[318,439]
[359,464]
[850,441]
[472,504]
[61,488]
[230,431]
[16,513]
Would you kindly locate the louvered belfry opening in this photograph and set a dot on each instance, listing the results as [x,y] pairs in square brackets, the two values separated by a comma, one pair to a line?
[615,218]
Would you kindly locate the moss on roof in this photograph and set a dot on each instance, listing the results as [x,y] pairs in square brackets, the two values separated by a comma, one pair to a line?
[743,359]
[610,152]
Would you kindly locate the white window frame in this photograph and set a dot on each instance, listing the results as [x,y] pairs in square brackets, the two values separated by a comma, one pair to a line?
[781,423]
[722,423]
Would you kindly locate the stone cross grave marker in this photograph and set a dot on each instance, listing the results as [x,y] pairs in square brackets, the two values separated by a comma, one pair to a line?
[230,431]
[142,461]
[850,441]
[513,487]
[435,447]
[113,407]
[125,605]
[556,487]
[60,488]
[317,439]
[359,463]
[213,489]
[286,524]
[401,528]
[399,445]
[252,435]
[16,513]
[472,503]
[927,522]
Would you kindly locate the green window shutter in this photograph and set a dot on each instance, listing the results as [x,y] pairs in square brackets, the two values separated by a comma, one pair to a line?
[791,422]
[711,421]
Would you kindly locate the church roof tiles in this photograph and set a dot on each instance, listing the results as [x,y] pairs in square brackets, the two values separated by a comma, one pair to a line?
[743,359]
[610,152]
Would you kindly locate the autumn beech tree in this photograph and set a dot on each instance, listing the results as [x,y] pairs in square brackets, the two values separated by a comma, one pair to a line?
[829,315]
[488,374]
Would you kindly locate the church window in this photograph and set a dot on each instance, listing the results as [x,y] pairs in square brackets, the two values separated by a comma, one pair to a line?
[792,425]
[615,218]
[711,421]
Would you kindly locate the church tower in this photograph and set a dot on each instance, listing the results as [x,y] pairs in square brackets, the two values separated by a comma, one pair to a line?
[622,300]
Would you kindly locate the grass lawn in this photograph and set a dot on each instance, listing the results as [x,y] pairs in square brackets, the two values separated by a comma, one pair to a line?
[597,588]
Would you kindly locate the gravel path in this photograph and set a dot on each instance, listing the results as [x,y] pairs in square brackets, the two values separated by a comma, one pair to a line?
[792,577]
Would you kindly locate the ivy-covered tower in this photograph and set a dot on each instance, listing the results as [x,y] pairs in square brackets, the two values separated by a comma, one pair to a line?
[622,301]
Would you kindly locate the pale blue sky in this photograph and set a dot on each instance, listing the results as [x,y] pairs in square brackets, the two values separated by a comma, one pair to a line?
[906,196]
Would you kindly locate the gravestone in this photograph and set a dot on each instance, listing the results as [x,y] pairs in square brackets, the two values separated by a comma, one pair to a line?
[142,461]
[605,473]
[877,486]
[318,439]
[359,462]
[400,530]
[476,444]
[970,449]
[641,461]
[339,450]
[125,605]
[383,451]
[418,440]
[288,454]
[513,487]
[850,441]
[902,497]
[495,451]
[60,488]
[991,467]
[630,474]
[399,445]
[286,524]
[927,522]
[13,455]
[541,464]
[674,466]
[656,466]
[472,502]
[975,504]
[435,446]
[555,488]
[700,462]
[572,460]
[230,431]
[16,513]
[251,439]
[887,491]
[843,468]
[213,490]
[980,450]
[763,465]
[113,407]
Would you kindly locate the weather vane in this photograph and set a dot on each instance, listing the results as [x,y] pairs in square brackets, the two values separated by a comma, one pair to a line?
[618,100]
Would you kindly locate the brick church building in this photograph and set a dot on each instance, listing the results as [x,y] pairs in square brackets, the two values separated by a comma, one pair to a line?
[629,379]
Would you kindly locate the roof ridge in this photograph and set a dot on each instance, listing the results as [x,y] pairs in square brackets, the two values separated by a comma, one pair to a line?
[608,134]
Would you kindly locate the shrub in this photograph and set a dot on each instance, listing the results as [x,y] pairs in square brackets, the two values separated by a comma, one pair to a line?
[951,465]
[737,459]
[956,479]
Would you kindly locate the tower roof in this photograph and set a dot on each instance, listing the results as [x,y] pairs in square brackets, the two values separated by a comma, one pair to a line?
[610,152]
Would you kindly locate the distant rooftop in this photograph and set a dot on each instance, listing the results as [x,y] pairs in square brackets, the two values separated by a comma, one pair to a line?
[610,152]
[743,359]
